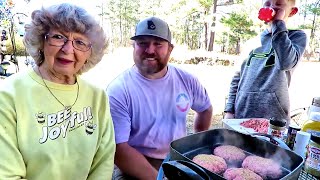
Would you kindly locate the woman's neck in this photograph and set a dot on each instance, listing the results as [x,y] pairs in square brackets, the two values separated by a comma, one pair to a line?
[52,76]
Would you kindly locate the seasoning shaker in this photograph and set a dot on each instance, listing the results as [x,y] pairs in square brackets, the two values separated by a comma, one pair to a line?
[291,136]
[277,128]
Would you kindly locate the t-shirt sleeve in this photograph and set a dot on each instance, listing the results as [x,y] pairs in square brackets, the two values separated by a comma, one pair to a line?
[103,162]
[119,112]
[11,161]
[201,100]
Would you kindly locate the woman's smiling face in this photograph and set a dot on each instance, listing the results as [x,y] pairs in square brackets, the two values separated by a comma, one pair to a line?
[65,60]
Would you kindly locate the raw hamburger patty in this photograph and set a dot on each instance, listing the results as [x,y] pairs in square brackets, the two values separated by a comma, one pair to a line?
[211,162]
[231,154]
[240,174]
[266,168]
[259,125]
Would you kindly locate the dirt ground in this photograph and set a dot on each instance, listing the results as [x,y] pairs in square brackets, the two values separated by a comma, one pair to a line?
[215,123]
[216,79]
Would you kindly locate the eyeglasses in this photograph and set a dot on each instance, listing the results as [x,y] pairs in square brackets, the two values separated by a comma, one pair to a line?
[59,40]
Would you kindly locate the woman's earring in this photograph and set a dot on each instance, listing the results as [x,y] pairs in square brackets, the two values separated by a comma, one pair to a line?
[86,62]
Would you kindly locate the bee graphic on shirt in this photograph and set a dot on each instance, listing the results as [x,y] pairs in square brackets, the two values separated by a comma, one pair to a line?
[90,127]
[40,117]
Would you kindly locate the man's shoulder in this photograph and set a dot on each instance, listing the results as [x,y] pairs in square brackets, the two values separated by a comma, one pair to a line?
[120,80]
[181,71]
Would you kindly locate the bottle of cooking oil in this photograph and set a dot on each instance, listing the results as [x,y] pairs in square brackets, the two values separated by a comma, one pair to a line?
[313,122]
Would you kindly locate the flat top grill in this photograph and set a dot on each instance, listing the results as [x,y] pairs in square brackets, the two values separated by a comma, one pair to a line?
[302,176]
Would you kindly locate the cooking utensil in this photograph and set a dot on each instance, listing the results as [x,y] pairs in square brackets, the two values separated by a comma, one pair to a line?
[275,139]
[184,170]
[204,143]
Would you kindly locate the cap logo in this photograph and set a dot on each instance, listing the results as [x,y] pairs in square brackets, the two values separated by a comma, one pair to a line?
[151,25]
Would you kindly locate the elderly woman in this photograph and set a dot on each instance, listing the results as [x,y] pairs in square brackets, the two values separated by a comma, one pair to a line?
[53,124]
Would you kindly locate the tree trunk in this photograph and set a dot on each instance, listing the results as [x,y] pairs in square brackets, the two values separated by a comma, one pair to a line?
[120,24]
[206,13]
[212,32]
[312,30]
[238,47]
[205,35]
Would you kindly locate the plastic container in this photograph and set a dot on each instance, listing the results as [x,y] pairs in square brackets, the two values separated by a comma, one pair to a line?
[312,164]
[312,124]
[301,142]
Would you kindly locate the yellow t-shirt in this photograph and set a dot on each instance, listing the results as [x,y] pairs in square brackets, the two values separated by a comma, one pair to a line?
[41,140]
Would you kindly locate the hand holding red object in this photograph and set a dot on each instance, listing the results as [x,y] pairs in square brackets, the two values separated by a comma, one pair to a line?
[266,14]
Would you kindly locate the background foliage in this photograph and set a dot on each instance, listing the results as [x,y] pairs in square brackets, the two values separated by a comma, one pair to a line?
[211,25]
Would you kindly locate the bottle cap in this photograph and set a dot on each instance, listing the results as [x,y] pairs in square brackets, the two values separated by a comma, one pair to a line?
[279,123]
[295,127]
[315,137]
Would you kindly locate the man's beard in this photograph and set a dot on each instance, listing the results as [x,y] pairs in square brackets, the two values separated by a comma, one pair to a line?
[154,69]
[157,67]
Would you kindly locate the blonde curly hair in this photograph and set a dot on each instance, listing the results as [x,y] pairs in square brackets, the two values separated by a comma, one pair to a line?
[69,18]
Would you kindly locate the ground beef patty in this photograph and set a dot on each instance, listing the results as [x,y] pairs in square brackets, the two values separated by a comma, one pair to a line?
[266,168]
[231,154]
[211,162]
[240,174]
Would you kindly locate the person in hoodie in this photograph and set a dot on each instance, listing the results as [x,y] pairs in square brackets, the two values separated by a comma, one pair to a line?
[260,88]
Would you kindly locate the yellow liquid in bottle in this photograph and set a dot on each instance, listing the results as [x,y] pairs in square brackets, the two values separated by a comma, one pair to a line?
[313,124]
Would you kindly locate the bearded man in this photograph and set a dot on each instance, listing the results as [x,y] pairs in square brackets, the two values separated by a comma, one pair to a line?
[150,101]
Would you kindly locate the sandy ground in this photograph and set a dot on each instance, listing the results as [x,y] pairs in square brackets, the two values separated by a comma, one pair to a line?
[216,79]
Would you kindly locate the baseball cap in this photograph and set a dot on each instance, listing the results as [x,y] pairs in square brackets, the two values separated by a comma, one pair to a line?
[153,26]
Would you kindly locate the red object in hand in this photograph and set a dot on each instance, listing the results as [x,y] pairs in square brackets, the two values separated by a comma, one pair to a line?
[266,14]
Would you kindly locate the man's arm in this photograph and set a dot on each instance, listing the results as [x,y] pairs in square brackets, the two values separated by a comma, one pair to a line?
[203,120]
[133,163]
[127,158]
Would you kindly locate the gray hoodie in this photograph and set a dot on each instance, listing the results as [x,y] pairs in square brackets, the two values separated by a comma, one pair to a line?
[260,89]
